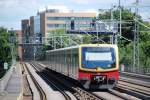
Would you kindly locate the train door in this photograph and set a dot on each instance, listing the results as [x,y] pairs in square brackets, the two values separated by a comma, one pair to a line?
[55,61]
[68,62]
[60,56]
[60,62]
[65,64]
[49,60]
[71,62]
[76,63]
[52,61]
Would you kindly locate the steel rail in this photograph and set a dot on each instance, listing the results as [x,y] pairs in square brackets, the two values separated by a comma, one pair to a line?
[41,91]
[67,97]
[78,92]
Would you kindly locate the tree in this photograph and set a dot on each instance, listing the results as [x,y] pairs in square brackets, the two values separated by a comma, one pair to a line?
[126,47]
[62,39]
[128,16]
[5,50]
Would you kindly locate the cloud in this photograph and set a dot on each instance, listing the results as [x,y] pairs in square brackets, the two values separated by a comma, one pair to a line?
[12,11]
[60,7]
[91,10]
[145,15]
[83,1]
[100,2]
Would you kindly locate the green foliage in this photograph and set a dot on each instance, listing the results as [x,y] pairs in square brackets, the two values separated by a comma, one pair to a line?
[86,39]
[126,54]
[145,48]
[127,28]
[14,43]
[67,39]
[126,47]
[5,50]
[57,32]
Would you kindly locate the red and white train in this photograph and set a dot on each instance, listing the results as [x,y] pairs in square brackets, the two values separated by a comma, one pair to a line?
[93,65]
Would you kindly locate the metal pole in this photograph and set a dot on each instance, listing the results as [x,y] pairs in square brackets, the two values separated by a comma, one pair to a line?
[34,53]
[136,41]
[61,42]
[97,30]
[54,42]
[113,37]
[120,10]
[12,53]
[12,45]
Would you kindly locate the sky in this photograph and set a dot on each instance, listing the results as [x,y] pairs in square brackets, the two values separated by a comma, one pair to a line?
[13,11]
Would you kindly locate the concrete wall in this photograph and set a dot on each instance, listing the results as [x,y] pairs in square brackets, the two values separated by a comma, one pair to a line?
[4,80]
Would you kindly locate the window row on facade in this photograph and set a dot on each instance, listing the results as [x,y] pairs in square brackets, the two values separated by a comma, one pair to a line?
[69,18]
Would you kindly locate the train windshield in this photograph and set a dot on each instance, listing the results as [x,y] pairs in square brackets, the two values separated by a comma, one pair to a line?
[94,57]
[98,56]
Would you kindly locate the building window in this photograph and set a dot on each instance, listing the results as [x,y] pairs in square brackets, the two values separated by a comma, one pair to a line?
[69,18]
[58,18]
[56,25]
[83,18]
[51,25]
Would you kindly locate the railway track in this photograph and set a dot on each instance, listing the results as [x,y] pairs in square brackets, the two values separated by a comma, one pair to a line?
[103,95]
[27,91]
[145,78]
[119,93]
[114,94]
[135,84]
[107,95]
[52,83]
[78,92]
[40,90]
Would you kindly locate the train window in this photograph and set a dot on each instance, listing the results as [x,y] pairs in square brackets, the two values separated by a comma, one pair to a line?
[75,62]
[69,61]
[60,57]
[56,60]
[52,60]
[98,57]
[55,56]
[92,56]
[65,62]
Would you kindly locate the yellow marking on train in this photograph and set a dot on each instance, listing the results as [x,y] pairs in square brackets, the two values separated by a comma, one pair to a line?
[100,70]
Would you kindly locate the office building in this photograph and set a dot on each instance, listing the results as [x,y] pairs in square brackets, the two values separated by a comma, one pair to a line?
[52,19]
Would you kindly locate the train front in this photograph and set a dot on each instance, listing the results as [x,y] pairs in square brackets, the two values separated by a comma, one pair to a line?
[99,66]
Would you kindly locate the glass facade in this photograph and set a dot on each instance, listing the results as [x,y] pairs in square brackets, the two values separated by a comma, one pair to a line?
[58,18]
[73,23]
[69,18]
[56,25]
[37,24]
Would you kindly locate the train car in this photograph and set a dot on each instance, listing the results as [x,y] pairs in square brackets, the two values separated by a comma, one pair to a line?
[93,65]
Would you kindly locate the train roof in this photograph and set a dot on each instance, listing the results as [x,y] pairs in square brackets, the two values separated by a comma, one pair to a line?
[83,45]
